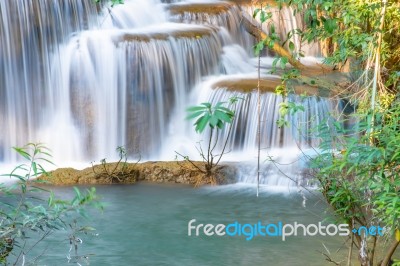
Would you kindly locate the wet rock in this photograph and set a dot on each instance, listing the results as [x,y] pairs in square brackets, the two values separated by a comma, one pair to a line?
[210,8]
[158,172]
[172,31]
[326,85]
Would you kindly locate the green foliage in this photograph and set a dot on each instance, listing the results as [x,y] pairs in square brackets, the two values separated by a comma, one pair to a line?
[27,217]
[116,173]
[358,168]
[348,31]
[351,25]
[113,2]
[265,15]
[213,116]
[286,107]
[359,171]
[74,241]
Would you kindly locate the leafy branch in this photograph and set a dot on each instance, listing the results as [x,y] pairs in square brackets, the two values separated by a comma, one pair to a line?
[23,214]
[213,118]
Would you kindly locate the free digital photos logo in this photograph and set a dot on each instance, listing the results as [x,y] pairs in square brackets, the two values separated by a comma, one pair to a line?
[279,229]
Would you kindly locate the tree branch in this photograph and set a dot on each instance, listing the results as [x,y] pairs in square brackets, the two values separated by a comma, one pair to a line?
[251,25]
[390,253]
[190,161]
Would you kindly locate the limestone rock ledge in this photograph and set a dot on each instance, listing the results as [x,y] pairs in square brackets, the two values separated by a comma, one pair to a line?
[158,172]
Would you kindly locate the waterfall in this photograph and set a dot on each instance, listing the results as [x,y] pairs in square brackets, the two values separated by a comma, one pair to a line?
[244,131]
[134,14]
[282,147]
[225,15]
[30,31]
[113,84]
[139,66]
[284,24]
[84,78]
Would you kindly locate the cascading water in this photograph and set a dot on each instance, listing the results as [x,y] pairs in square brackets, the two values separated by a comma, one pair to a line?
[244,131]
[280,145]
[84,82]
[113,86]
[122,85]
[29,33]
[221,14]
[283,25]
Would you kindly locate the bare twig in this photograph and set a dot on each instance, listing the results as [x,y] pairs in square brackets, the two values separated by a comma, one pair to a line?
[190,161]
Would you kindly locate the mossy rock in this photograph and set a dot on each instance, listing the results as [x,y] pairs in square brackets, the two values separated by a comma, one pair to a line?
[327,85]
[187,31]
[158,172]
[208,8]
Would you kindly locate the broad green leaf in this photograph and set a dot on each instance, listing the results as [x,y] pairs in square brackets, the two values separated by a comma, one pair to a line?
[23,153]
[291,46]
[258,48]
[330,25]
[223,116]
[213,121]
[201,123]
[220,124]
[256,11]
[196,108]
[208,105]
[194,115]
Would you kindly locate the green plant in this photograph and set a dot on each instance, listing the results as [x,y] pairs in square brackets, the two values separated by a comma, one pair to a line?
[358,168]
[113,2]
[27,216]
[215,119]
[284,89]
[74,242]
[114,173]
[358,172]
[363,33]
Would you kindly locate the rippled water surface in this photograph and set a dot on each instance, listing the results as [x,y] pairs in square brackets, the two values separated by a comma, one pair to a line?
[147,224]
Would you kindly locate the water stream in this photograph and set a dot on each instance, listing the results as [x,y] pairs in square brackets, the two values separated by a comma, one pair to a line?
[84,79]
[156,230]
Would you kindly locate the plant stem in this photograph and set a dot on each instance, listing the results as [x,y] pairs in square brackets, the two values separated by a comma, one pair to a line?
[377,66]
[251,26]
[191,162]
[259,116]
[390,253]
[209,152]
[351,246]
[226,142]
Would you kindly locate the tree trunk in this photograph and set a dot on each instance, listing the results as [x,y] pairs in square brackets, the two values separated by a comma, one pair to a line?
[389,254]
[253,28]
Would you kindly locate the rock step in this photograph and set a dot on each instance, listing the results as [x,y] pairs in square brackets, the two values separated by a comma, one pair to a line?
[209,8]
[159,172]
[326,85]
[175,30]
